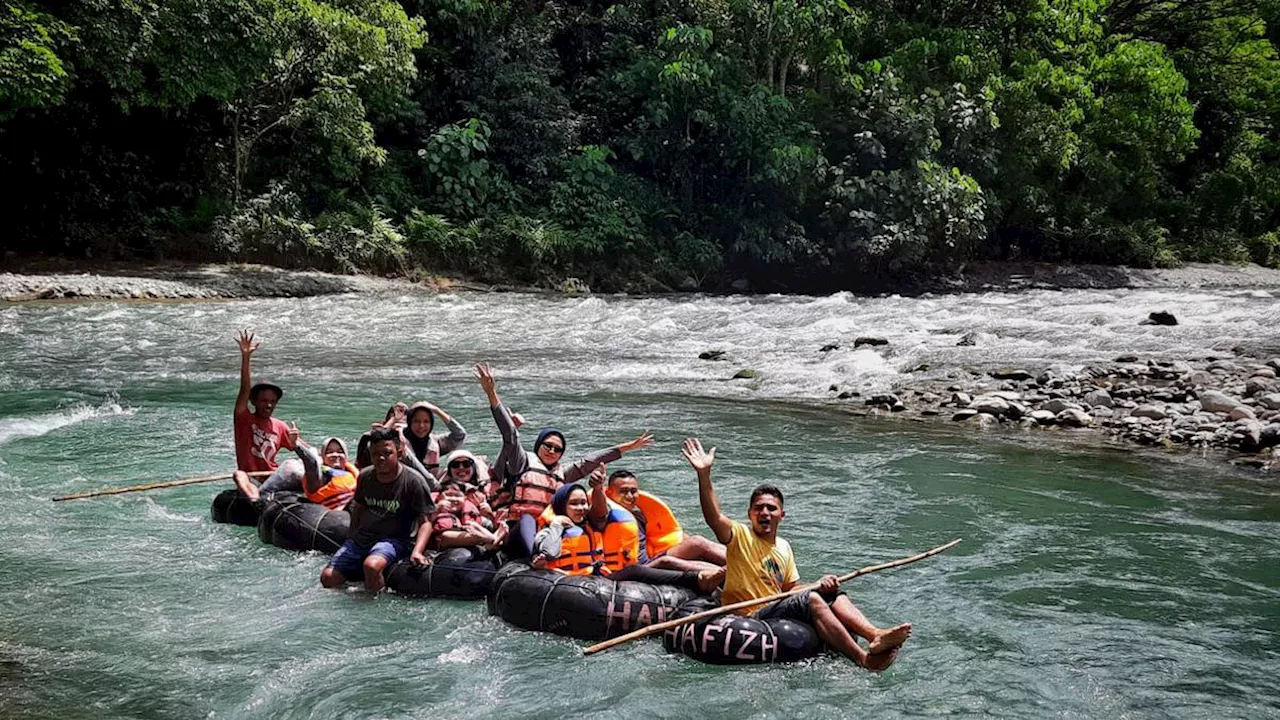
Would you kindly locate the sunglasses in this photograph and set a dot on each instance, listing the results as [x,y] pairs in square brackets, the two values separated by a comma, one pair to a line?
[459,463]
[553,448]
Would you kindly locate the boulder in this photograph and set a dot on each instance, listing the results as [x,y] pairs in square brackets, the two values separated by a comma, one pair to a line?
[961,400]
[1222,366]
[1098,398]
[1044,417]
[1270,401]
[962,415]
[991,405]
[828,348]
[1154,412]
[984,420]
[1269,436]
[1274,364]
[746,374]
[1126,359]
[712,355]
[1011,374]
[1057,405]
[1160,317]
[884,399]
[872,341]
[1072,417]
[1215,401]
[1264,372]
[1248,434]
[1241,412]
[1197,377]
[1256,385]
[848,394]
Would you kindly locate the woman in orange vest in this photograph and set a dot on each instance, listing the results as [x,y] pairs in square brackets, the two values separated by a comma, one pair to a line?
[328,481]
[588,536]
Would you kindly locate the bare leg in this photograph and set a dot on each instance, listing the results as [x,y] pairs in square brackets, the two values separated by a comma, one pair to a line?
[696,547]
[373,566]
[666,562]
[331,578]
[854,621]
[709,580]
[245,485]
[832,631]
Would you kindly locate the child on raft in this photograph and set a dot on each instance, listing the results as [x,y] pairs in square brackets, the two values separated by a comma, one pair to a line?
[761,564]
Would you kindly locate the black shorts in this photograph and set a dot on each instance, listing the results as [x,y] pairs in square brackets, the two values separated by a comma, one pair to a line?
[795,607]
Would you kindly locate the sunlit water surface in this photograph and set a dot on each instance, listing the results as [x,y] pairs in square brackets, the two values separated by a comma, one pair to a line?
[1089,584]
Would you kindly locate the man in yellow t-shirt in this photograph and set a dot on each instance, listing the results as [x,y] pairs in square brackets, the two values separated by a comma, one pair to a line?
[761,564]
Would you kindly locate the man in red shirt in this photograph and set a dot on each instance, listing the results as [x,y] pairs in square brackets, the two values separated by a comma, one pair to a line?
[258,435]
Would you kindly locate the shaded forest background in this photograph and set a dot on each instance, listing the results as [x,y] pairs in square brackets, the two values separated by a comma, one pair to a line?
[643,144]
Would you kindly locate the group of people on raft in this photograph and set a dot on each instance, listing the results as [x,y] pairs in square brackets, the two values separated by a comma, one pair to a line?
[410,492]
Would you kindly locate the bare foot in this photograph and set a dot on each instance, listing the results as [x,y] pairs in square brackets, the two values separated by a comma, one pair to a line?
[709,580]
[879,662]
[889,639]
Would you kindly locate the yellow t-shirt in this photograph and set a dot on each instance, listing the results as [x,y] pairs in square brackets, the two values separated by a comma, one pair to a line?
[756,567]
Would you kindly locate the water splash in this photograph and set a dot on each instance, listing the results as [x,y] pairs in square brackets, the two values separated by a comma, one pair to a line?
[35,426]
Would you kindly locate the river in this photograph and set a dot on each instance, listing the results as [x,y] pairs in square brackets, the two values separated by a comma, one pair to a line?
[1091,582]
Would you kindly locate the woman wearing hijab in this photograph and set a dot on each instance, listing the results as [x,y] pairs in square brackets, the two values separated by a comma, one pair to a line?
[416,423]
[530,479]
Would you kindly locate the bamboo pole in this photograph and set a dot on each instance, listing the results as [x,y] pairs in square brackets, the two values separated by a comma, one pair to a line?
[155,486]
[652,629]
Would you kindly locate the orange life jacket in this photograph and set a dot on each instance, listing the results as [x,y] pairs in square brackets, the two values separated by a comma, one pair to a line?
[580,548]
[584,551]
[661,529]
[339,488]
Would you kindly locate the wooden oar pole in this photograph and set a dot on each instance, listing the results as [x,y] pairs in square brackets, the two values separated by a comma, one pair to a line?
[156,486]
[652,629]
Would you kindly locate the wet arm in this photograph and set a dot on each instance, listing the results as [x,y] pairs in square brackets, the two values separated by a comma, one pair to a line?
[589,462]
[457,434]
[719,523]
[511,460]
[547,541]
[311,480]
[246,382]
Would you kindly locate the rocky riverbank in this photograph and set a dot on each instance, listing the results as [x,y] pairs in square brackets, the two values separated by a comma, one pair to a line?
[188,282]
[1226,403]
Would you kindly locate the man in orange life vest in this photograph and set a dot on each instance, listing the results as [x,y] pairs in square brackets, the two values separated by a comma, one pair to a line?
[761,564]
[690,553]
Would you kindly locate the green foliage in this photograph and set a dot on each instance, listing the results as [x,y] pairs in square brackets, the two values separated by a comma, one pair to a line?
[803,145]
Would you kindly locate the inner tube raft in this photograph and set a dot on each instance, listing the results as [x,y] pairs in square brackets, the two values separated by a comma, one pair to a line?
[740,640]
[465,573]
[229,506]
[288,520]
[587,607]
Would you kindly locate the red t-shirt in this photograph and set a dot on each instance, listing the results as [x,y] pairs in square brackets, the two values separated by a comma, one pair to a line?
[258,441]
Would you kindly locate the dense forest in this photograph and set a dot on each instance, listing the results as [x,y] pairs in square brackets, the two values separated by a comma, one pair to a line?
[642,144]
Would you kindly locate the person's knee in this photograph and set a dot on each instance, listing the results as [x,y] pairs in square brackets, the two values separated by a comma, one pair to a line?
[374,564]
[817,604]
[331,578]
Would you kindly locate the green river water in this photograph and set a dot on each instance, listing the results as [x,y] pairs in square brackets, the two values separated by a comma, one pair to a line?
[1090,583]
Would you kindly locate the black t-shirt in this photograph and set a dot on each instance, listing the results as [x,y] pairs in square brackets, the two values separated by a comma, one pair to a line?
[381,511]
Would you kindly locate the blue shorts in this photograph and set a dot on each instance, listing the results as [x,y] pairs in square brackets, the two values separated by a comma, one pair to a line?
[349,560]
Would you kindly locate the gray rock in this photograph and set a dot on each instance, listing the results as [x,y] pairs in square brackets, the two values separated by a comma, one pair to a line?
[712,355]
[1248,434]
[1215,401]
[961,399]
[1160,317]
[991,405]
[1011,374]
[1007,394]
[1255,385]
[1197,377]
[872,341]
[1269,435]
[929,397]
[1016,410]
[884,399]
[1098,398]
[1072,417]
[746,374]
[984,420]
[1150,411]
[1270,401]
[1274,364]
[1126,359]
[1222,366]
[828,348]
[929,412]
[963,415]
[1057,406]
[1044,417]
[1264,372]
[1241,413]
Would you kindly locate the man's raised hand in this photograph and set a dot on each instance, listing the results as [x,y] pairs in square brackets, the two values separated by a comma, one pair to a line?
[247,342]
[644,440]
[484,373]
[699,459]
